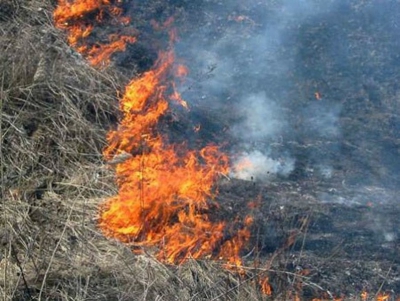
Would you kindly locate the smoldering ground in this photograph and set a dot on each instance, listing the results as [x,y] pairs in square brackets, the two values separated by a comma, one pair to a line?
[305,85]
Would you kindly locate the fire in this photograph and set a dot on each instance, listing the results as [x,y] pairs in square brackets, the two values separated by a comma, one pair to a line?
[181,71]
[165,189]
[382,297]
[80,17]
[101,53]
[266,288]
[177,97]
[328,298]
[379,297]
[243,164]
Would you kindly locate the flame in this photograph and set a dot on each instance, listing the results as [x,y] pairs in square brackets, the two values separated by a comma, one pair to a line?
[364,296]
[266,288]
[177,97]
[165,189]
[243,164]
[101,53]
[382,297]
[79,19]
[326,296]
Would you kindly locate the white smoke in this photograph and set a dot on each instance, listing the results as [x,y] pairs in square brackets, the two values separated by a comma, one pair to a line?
[258,166]
[260,118]
[241,69]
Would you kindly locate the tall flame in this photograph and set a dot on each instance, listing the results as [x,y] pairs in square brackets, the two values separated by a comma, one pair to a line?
[164,189]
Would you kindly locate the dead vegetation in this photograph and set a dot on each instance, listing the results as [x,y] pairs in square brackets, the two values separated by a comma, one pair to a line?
[55,113]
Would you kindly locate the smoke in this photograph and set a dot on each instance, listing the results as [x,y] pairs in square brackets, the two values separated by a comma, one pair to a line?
[298,85]
[260,118]
[242,66]
[259,166]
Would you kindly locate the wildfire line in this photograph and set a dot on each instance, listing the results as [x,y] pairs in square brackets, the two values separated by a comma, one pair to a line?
[165,189]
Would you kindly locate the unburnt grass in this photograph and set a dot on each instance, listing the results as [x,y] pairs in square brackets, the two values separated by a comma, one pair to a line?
[55,113]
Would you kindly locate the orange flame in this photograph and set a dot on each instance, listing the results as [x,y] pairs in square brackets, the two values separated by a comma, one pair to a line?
[80,17]
[326,296]
[243,164]
[382,297]
[164,189]
[177,97]
[100,54]
[266,288]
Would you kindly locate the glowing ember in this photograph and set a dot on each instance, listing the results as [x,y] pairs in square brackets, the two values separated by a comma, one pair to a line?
[181,71]
[80,17]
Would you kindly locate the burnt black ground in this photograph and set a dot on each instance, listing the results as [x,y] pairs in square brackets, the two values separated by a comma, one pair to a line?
[346,145]
[345,245]
[344,218]
[341,198]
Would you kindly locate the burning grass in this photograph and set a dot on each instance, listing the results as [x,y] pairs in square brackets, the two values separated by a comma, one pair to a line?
[81,17]
[55,112]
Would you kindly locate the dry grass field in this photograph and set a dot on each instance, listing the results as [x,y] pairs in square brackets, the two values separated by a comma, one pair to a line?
[56,110]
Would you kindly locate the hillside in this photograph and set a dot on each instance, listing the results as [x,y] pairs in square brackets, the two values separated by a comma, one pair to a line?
[305,94]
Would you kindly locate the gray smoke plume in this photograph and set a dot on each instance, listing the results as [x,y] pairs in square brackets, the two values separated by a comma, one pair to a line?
[300,85]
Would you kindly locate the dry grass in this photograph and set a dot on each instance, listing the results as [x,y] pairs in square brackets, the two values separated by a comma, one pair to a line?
[63,256]
[55,112]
